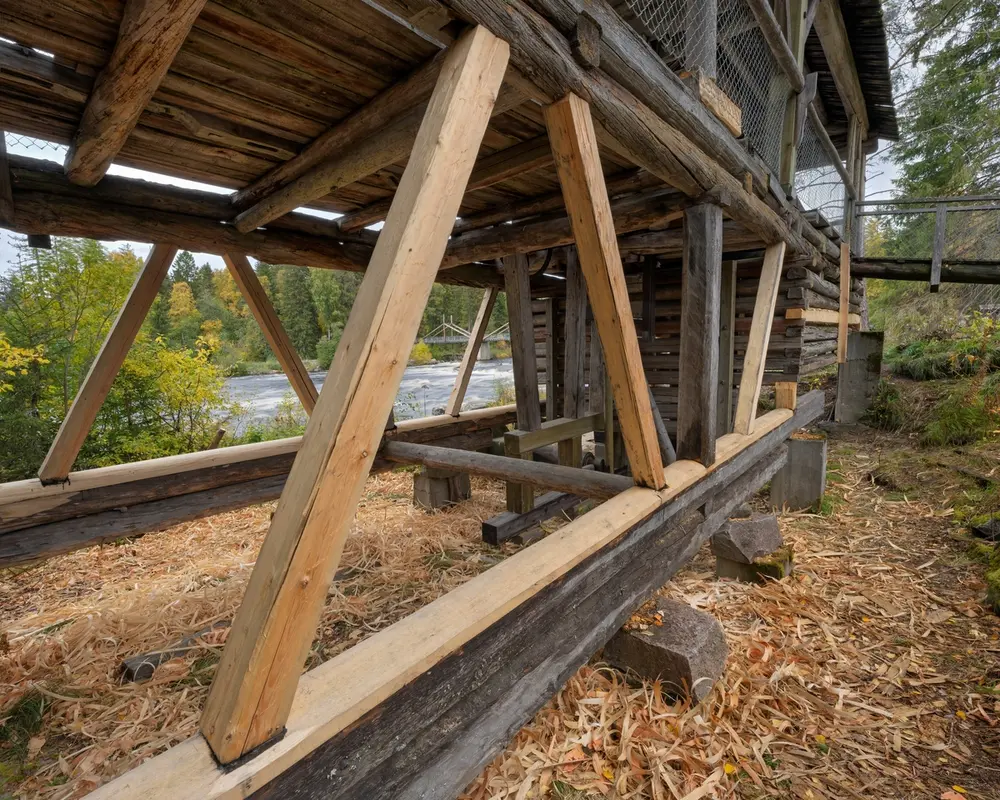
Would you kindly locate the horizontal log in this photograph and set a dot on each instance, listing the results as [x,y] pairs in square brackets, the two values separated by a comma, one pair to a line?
[108,503]
[168,215]
[920,270]
[583,482]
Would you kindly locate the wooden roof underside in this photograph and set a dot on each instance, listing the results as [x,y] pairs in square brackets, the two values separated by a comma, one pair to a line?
[253,84]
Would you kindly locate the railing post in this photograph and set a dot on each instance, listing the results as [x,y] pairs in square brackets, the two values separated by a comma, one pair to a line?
[940,231]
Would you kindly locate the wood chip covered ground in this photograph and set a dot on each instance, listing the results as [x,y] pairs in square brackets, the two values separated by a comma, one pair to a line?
[870,673]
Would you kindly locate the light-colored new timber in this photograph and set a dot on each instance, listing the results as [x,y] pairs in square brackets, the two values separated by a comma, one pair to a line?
[255,681]
[574,145]
[150,34]
[81,415]
[760,335]
[458,391]
[820,316]
[282,347]
[786,395]
[845,302]
[336,694]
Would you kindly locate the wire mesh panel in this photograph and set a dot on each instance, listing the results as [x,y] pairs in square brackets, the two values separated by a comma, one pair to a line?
[750,76]
[818,184]
[680,31]
[34,148]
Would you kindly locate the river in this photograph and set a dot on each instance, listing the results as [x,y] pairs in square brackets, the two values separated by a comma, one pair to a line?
[423,390]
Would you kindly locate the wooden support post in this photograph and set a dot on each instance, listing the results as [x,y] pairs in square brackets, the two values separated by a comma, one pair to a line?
[6,193]
[574,144]
[786,394]
[89,398]
[256,679]
[149,37]
[760,335]
[468,364]
[845,302]
[595,400]
[574,386]
[667,451]
[609,422]
[701,286]
[727,346]
[649,297]
[522,345]
[795,110]
[282,347]
[550,358]
[940,237]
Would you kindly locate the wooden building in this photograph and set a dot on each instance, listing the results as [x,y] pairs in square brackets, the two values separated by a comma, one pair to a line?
[639,174]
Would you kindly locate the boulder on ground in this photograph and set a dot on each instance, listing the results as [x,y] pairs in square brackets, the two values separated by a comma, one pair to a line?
[746,540]
[687,652]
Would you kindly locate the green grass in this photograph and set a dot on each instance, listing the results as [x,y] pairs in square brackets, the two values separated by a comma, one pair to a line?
[22,722]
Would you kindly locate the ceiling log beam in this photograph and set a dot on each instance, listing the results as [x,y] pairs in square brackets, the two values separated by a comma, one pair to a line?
[150,35]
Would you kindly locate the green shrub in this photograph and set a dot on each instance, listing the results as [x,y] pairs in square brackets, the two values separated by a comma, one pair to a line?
[886,411]
[960,418]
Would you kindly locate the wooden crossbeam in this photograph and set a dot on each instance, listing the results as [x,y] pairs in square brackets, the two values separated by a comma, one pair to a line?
[150,34]
[832,33]
[454,406]
[574,145]
[282,347]
[760,334]
[701,287]
[367,121]
[380,149]
[95,387]
[503,165]
[256,679]
[583,482]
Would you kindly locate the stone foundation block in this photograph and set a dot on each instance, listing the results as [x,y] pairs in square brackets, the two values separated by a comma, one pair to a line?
[776,566]
[687,653]
[801,483]
[438,488]
[746,540]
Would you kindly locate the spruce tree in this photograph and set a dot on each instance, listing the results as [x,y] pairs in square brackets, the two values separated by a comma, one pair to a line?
[297,310]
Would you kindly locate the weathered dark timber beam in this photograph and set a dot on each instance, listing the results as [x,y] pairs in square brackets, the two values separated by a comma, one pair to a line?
[384,147]
[125,209]
[415,710]
[544,56]
[149,37]
[649,209]
[583,482]
[893,269]
[40,522]
[630,60]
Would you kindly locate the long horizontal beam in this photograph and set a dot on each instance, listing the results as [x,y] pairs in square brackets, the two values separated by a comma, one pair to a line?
[124,209]
[583,482]
[502,165]
[381,149]
[339,705]
[108,503]
[891,269]
[379,112]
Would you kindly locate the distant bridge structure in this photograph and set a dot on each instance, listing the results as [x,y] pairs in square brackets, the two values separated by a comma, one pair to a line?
[450,333]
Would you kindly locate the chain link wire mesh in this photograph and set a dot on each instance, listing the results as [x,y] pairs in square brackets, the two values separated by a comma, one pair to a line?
[972,233]
[818,185]
[680,31]
[34,148]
